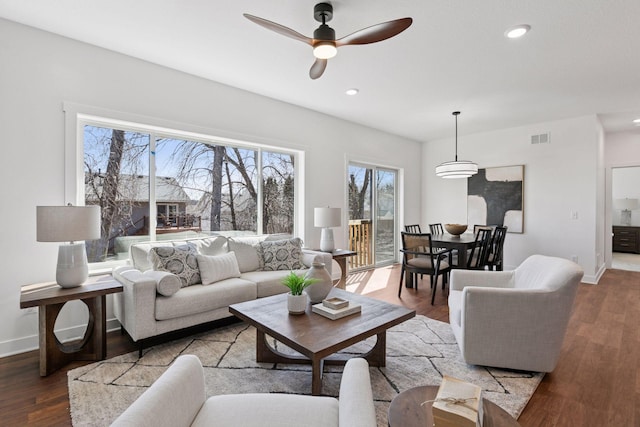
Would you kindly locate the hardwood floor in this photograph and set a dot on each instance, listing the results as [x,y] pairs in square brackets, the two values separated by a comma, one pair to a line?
[596,382]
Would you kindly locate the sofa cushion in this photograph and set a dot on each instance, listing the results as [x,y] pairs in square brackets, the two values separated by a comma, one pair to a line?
[167,283]
[179,260]
[214,245]
[201,299]
[268,282]
[282,254]
[139,254]
[247,251]
[216,268]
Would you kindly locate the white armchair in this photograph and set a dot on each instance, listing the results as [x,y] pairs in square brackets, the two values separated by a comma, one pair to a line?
[514,319]
[178,399]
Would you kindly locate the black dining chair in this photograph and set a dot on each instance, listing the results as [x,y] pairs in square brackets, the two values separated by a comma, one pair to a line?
[413,228]
[419,257]
[497,245]
[478,257]
[436,228]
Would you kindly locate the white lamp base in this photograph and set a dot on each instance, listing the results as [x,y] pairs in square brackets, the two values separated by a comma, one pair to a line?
[326,240]
[73,269]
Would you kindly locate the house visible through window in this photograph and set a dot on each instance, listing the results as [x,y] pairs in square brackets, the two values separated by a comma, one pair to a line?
[156,186]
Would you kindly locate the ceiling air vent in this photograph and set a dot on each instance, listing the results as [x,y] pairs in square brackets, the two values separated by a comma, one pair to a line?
[543,138]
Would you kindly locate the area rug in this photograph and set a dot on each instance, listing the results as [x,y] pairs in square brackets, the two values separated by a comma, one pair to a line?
[419,352]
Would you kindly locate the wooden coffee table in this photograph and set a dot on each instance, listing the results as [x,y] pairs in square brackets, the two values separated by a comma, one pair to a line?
[316,337]
[405,410]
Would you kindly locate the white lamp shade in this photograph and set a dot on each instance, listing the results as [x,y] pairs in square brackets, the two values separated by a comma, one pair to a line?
[327,217]
[67,223]
[626,204]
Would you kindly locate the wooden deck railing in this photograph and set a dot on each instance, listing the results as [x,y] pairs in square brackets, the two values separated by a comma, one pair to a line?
[360,241]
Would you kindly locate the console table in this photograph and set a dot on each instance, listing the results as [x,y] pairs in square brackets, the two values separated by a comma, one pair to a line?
[50,298]
[626,239]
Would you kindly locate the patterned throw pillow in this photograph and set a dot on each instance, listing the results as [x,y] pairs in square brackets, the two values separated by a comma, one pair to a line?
[282,254]
[179,260]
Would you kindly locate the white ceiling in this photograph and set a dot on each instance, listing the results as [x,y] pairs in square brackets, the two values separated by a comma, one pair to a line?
[581,56]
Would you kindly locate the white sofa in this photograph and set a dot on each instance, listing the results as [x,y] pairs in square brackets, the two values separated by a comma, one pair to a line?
[514,319]
[178,399]
[154,303]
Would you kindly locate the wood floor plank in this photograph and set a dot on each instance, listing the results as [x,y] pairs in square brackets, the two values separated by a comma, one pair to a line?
[596,382]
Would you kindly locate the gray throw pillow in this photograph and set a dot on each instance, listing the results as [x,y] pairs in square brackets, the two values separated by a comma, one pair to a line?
[179,260]
[282,254]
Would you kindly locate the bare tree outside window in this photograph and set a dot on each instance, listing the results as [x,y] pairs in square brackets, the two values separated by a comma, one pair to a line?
[113,159]
[278,190]
[197,187]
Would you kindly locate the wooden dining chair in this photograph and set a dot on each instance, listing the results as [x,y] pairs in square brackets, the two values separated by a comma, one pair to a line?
[419,257]
[497,245]
[478,257]
[413,228]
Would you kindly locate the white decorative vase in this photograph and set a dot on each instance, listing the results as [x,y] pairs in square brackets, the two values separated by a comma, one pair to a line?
[320,289]
[296,304]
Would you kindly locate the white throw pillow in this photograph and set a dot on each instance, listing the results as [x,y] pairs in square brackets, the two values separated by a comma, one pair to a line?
[217,267]
[282,254]
[247,252]
[179,260]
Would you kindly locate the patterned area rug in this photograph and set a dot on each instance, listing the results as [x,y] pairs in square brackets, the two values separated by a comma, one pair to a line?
[419,352]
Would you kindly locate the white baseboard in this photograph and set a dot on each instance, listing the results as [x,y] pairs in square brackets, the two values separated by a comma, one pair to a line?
[30,343]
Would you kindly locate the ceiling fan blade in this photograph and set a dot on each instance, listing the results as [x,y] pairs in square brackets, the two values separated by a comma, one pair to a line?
[317,68]
[280,29]
[376,33]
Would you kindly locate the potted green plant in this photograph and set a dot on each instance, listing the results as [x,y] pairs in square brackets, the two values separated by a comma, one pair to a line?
[296,298]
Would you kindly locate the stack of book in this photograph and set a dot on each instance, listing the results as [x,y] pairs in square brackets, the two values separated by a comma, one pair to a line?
[336,308]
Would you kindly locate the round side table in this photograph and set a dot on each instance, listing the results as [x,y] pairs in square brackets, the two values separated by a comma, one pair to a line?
[405,410]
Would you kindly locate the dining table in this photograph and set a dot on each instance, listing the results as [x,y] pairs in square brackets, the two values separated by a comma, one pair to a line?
[461,243]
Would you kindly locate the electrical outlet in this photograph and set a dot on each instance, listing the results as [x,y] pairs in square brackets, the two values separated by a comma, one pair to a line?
[574,214]
[30,310]
[574,258]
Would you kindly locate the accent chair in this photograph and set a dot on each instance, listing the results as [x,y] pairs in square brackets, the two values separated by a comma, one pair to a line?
[514,319]
[178,399]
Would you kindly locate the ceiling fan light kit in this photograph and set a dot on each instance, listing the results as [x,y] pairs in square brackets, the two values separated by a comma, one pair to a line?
[324,50]
[456,168]
[324,42]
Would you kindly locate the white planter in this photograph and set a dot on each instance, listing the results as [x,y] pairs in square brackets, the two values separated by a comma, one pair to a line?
[296,304]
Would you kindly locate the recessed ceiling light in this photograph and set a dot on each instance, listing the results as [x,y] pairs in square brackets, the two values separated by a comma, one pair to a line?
[637,121]
[517,31]
[352,91]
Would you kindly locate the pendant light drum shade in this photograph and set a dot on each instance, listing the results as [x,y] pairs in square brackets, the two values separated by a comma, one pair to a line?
[456,168]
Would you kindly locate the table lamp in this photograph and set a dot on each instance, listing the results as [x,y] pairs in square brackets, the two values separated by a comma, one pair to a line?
[327,218]
[69,224]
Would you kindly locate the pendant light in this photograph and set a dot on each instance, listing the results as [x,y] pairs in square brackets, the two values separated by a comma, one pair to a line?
[457,168]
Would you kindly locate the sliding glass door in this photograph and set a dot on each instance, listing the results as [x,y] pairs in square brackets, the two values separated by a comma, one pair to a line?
[372,215]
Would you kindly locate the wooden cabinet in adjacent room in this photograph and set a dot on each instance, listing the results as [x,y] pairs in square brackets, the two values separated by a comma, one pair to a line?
[626,239]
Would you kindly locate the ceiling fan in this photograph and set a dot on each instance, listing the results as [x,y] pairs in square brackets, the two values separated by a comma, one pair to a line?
[324,41]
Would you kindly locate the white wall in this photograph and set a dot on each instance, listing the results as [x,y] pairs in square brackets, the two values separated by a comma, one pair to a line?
[560,178]
[40,71]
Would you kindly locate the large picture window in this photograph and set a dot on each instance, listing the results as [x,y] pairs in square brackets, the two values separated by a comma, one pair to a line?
[154,185]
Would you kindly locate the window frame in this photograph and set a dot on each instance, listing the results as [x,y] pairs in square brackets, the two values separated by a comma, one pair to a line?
[77,116]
